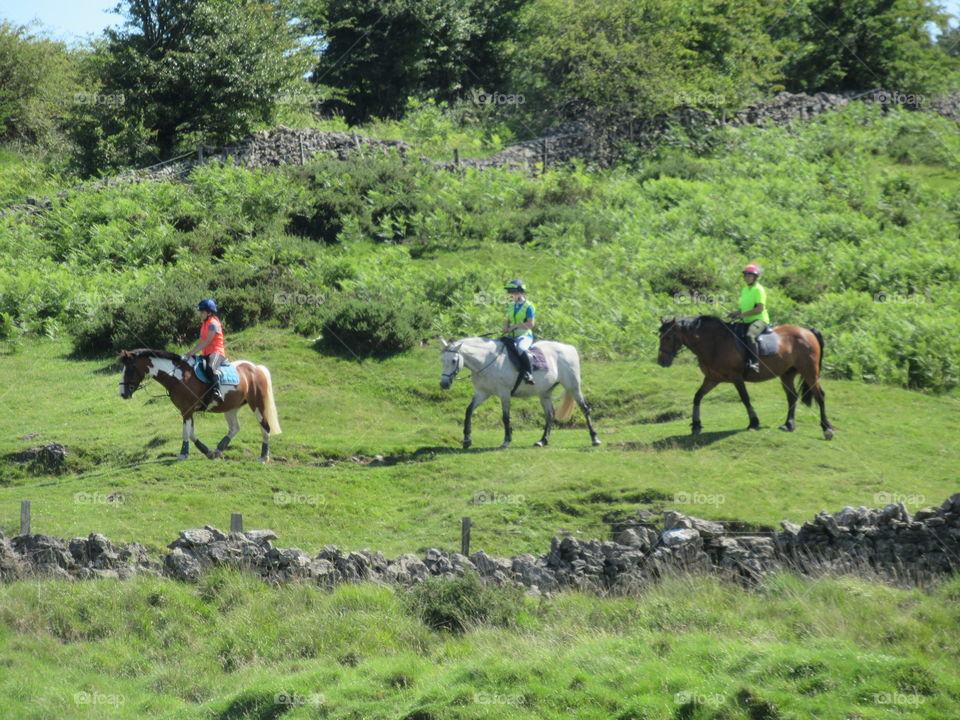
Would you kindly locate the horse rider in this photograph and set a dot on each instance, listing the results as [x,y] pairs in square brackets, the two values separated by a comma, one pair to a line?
[752,313]
[518,327]
[211,344]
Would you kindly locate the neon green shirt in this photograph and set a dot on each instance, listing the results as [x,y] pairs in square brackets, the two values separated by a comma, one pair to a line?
[750,296]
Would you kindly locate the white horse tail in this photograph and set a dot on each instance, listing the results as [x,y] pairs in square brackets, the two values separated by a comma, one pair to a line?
[566,407]
[269,406]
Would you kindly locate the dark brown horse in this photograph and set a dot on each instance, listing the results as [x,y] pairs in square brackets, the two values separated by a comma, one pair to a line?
[187,392]
[721,359]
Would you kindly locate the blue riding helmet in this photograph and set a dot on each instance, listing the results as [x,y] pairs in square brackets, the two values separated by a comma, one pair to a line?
[515,286]
[209,305]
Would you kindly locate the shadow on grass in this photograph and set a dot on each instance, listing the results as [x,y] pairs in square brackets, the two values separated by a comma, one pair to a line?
[693,442]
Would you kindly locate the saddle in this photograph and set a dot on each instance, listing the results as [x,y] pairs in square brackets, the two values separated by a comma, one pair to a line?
[768,342]
[228,373]
[537,360]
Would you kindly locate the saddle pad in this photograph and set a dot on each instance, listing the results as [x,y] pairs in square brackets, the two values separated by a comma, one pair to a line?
[768,342]
[537,360]
[228,373]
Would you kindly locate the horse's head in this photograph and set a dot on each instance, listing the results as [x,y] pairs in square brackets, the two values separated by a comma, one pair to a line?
[452,362]
[671,340]
[134,370]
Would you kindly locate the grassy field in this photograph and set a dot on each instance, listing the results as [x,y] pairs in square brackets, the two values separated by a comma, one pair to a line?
[325,484]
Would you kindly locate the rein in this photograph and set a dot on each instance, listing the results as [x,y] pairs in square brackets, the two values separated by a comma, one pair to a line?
[454,378]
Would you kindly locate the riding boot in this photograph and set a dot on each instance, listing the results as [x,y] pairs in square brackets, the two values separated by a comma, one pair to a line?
[215,390]
[527,368]
[753,355]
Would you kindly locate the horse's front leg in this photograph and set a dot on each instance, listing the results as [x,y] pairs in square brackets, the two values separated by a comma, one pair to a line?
[187,437]
[507,430]
[233,427]
[745,398]
[188,432]
[478,397]
[707,386]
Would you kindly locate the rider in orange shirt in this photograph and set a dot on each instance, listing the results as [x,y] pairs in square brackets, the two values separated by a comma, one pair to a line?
[211,344]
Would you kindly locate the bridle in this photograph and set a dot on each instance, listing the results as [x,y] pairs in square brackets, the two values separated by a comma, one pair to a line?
[459,367]
[672,355]
[125,384]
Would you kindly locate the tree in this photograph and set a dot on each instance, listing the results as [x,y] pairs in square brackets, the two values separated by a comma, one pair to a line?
[838,45]
[36,81]
[606,60]
[214,67]
[381,52]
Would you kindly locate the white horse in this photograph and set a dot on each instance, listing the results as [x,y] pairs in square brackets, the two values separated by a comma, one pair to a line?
[494,374]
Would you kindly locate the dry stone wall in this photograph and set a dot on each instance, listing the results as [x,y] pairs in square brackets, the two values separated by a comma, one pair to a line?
[886,542]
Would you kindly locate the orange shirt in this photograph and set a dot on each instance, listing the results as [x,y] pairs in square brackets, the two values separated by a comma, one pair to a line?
[212,326]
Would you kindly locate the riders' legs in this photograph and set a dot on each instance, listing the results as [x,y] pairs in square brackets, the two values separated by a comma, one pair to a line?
[523,344]
[214,361]
[753,332]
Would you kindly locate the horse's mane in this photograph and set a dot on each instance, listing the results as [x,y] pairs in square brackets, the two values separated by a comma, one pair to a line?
[707,321]
[161,354]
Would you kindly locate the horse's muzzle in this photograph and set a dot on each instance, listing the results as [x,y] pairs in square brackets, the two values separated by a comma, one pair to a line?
[664,360]
[444,384]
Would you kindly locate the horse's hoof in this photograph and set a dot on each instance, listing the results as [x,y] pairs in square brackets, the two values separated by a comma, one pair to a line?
[596,442]
[786,428]
[695,430]
[540,443]
[181,457]
[504,446]
[467,444]
[753,426]
[264,460]
[213,455]
[828,434]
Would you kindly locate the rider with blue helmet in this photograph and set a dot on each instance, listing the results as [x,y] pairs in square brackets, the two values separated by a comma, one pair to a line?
[211,344]
[518,327]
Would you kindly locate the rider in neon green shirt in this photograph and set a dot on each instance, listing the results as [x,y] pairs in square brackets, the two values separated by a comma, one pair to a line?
[521,319]
[753,313]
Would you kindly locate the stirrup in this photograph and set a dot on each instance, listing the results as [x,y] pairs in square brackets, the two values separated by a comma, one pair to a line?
[528,378]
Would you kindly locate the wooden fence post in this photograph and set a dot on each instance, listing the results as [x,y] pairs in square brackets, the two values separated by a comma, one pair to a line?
[456,157]
[236,522]
[465,526]
[24,517]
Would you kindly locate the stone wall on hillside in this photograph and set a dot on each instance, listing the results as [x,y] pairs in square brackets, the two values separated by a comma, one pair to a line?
[887,543]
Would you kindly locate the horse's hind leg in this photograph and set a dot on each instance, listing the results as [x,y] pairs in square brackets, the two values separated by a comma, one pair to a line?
[233,427]
[585,409]
[547,404]
[789,387]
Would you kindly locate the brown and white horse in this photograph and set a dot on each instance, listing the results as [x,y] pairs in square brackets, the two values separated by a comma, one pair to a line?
[187,392]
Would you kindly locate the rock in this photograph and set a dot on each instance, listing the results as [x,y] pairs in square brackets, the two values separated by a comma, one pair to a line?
[196,538]
[260,536]
[679,537]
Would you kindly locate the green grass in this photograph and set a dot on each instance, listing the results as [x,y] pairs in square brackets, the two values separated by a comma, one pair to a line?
[233,647]
[337,415]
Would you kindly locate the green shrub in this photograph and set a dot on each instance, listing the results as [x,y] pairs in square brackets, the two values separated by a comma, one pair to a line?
[458,604]
[371,327]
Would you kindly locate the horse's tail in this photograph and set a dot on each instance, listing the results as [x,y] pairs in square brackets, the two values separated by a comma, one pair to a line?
[565,411]
[269,406]
[806,392]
